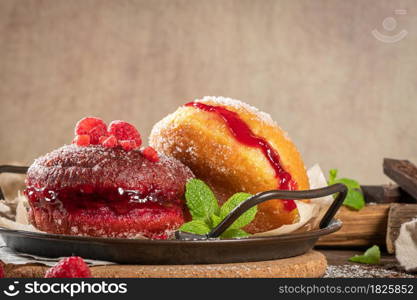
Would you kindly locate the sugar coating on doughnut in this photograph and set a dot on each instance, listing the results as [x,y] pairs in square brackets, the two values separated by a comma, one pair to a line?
[88,191]
[167,137]
[225,101]
[202,141]
[71,166]
[237,104]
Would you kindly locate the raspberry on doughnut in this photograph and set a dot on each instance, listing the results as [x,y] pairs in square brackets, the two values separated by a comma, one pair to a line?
[107,191]
[92,127]
[234,147]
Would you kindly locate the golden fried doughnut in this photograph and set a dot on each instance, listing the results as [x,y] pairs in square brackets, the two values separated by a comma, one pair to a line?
[235,148]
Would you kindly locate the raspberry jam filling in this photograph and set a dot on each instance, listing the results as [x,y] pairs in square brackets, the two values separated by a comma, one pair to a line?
[114,201]
[244,135]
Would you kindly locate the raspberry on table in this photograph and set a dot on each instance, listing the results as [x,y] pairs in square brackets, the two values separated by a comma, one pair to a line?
[150,154]
[124,131]
[69,267]
[92,126]
[82,140]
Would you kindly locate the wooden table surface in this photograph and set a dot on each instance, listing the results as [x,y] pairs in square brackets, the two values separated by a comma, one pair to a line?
[338,259]
[310,264]
[341,256]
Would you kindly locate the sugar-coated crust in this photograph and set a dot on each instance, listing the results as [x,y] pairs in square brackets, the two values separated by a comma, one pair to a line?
[137,223]
[72,166]
[202,141]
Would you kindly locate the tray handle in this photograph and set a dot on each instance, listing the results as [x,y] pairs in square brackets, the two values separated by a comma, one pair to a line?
[11,169]
[339,188]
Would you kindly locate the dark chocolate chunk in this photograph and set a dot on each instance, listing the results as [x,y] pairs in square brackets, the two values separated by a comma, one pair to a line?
[386,193]
[402,172]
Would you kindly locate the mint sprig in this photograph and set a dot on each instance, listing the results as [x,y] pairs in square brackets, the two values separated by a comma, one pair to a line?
[354,198]
[234,233]
[207,214]
[372,256]
[200,200]
[230,204]
[196,226]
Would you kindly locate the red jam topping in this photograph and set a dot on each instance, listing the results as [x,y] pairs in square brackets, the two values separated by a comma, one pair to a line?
[243,134]
[114,201]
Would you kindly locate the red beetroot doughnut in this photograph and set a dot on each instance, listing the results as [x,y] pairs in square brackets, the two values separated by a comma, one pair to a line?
[106,192]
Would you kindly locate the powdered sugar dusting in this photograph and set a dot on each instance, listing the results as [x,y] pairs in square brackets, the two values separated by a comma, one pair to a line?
[240,105]
[71,165]
[170,121]
[99,173]
[363,271]
[237,104]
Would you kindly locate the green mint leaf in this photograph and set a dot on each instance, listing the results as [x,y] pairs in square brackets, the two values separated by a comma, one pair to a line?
[350,183]
[354,198]
[371,256]
[200,200]
[195,226]
[332,176]
[234,233]
[215,220]
[234,201]
[207,215]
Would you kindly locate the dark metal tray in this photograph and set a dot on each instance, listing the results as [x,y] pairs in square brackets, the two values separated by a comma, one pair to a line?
[134,251]
[187,248]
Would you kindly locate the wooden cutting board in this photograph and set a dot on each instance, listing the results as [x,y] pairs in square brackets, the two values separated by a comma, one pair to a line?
[311,264]
[366,227]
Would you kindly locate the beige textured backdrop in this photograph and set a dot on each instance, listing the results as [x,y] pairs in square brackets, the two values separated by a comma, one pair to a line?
[346,99]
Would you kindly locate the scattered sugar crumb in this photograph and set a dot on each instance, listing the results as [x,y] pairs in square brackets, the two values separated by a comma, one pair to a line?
[363,271]
[239,105]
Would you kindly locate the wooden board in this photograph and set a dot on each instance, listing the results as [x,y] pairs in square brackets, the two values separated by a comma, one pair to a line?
[311,264]
[360,228]
[398,214]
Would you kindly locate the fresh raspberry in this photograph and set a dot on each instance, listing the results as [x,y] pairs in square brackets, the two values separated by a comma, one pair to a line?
[124,131]
[128,145]
[150,154]
[82,140]
[110,142]
[69,267]
[1,271]
[94,127]
[102,139]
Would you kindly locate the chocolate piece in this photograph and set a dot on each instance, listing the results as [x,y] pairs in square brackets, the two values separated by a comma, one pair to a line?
[386,193]
[404,173]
